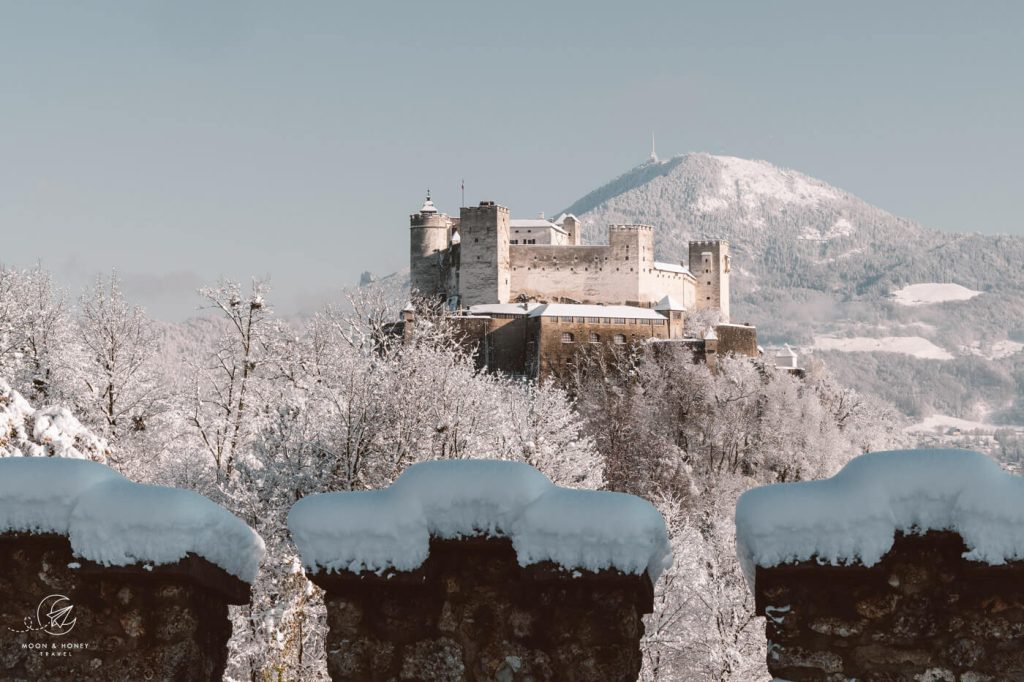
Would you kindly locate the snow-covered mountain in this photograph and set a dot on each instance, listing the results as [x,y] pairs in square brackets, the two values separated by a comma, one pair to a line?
[818,267]
[699,195]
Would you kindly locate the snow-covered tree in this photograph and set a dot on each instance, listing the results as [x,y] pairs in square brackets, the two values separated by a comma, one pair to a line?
[36,340]
[123,393]
[693,440]
[225,403]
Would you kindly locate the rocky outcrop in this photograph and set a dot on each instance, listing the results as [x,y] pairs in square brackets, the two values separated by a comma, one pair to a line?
[63,617]
[922,613]
[471,612]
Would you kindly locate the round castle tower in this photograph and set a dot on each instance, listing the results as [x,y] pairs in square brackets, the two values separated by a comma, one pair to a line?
[428,245]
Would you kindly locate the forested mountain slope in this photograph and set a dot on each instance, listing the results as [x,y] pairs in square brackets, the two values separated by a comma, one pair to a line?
[820,268]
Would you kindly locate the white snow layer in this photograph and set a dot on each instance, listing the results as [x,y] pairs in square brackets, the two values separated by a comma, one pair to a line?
[917,346]
[390,529]
[932,292]
[113,521]
[853,517]
[47,432]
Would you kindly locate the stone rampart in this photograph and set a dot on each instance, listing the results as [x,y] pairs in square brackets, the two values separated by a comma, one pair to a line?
[66,618]
[472,613]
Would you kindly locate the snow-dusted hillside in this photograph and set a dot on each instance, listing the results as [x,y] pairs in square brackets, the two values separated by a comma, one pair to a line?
[749,202]
[817,267]
[915,346]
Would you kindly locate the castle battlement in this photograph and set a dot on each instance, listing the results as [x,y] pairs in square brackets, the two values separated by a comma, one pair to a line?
[630,228]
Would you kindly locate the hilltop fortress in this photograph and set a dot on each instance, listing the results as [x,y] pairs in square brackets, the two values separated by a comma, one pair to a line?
[530,293]
[485,257]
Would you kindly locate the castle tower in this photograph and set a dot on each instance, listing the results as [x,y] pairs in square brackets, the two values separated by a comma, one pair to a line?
[711,349]
[632,244]
[631,256]
[484,269]
[572,225]
[710,264]
[428,245]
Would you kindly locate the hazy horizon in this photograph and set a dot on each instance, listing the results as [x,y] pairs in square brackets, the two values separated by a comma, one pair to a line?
[181,142]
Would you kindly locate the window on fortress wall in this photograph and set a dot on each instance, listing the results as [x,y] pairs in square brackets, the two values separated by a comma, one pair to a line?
[565,319]
[606,320]
[620,339]
[619,320]
[593,320]
[595,337]
[567,337]
[660,323]
[632,321]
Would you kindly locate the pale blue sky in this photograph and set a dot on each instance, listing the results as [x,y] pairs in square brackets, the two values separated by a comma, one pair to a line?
[179,141]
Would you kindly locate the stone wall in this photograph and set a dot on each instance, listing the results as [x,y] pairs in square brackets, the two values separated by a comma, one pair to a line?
[736,339]
[593,274]
[922,613]
[556,356]
[500,343]
[125,623]
[472,613]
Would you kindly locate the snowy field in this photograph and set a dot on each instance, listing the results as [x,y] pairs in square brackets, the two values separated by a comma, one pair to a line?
[932,292]
[996,351]
[917,346]
[944,421]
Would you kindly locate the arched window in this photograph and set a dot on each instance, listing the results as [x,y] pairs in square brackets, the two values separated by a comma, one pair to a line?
[620,339]
[567,337]
[595,337]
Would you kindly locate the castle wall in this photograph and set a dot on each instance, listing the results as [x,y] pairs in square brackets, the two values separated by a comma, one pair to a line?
[571,273]
[137,622]
[922,613]
[537,235]
[484,273]
[736,339]
[471,612]
[593,274]
[655,284]
[501,344]
[554,357]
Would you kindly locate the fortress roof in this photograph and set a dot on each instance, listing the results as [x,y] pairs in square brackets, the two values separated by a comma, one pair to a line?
[669,303]
[535,222]
[502,308]
[671,267]
[785,352]
[587,310]
[428,206]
